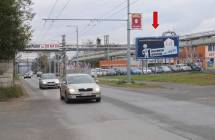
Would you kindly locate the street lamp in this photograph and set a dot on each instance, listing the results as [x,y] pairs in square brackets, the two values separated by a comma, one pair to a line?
[77,41]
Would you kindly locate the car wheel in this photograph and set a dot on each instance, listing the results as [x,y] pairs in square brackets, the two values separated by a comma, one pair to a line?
[61,97]
[66,99]
[98,100]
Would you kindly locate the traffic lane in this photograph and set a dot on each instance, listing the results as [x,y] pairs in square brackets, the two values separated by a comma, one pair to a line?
[90,120]
[30,119]
[187,118]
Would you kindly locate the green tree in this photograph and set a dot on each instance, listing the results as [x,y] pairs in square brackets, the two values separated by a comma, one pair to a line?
[43,63]
[15,27]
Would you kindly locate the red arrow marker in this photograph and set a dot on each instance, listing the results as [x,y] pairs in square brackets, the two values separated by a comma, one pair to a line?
[155,20]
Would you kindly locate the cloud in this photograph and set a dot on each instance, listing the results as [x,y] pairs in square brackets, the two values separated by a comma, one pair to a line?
[183,16]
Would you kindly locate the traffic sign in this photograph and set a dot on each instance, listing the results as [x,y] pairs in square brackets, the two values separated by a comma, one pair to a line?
[157,47]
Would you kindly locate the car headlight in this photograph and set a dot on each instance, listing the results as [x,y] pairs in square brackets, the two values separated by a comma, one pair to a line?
[57,82]
[71,90]
[97,89]
[44,82]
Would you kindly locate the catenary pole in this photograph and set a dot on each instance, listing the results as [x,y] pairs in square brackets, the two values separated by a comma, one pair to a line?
[129,45]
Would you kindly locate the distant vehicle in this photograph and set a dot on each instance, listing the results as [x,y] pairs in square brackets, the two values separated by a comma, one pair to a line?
[183,67]
[174,68]
[123,71]
[195,67]
[93,73]
[104,72]
[157,69]
[98,71]
[28,75]
[165,69]
[79,87]
[39,73]
[147,71]
[135,71]
[111,72]
[48,80]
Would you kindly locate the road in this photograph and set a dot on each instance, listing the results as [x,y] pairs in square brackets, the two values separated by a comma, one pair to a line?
[122,115]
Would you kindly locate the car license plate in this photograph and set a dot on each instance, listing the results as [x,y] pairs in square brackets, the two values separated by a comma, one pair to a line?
[86,94]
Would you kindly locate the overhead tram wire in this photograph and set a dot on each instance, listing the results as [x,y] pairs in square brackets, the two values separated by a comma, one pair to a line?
[118,11]
[103,16]
[44,32]
[61,11]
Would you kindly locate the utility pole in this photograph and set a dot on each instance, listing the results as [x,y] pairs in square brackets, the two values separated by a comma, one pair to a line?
[129,44]
[77,41]
[64,54]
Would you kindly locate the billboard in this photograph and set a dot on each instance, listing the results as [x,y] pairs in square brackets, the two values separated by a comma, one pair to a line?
[157,47]
[136,21]
[43,46]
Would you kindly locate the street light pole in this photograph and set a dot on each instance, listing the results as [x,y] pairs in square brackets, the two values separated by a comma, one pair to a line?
[129,45]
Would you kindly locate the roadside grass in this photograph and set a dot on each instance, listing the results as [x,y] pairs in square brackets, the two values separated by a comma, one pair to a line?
[192,78]
[7,93]
[123,83]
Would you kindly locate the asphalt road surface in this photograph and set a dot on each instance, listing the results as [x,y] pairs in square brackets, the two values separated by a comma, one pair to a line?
[121,115]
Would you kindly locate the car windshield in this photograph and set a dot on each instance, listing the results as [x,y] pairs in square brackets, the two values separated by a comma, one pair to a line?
[80,79]
[48,76]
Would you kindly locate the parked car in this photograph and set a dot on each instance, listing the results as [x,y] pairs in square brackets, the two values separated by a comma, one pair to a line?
[48,80]
[117,70]
[174,68]
[146,71]
[165,69]
[157,69]
[123,71]
[93,73]
[195,67]
[98,71]
[104,72]
[183,67]
[111,72]
[79,87]
[135,71]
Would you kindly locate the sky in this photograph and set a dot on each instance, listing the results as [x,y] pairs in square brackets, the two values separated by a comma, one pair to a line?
[181,16]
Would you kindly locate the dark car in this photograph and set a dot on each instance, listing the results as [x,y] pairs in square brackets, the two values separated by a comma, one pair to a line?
[195,67]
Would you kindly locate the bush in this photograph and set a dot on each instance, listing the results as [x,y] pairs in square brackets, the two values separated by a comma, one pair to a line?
[10,92]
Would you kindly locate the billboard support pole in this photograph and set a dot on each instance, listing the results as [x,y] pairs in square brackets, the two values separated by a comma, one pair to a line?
[128,43]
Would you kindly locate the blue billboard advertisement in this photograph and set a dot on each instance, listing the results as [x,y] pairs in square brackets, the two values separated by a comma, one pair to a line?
[157,47]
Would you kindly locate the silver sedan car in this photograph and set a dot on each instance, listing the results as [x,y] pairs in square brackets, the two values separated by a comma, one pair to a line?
[48,80]
[79,87]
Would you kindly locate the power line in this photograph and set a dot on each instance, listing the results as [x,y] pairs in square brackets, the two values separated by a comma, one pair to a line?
[102,16]
[64,7]
[114,13]
[43,31]
[61,11]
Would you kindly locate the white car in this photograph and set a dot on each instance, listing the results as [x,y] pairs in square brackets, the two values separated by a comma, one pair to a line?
[147,71]
[183,67]
[93,73]
[79,87]
[98,71]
